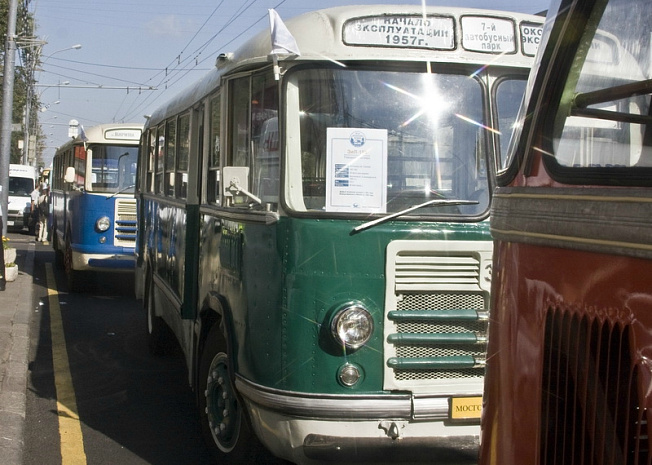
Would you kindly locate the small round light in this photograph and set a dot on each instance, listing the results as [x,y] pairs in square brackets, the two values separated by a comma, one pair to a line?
[102,240]
[103,224]
[349,375]
[352,326]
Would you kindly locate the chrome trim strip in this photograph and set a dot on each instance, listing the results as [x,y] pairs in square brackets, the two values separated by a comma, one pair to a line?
[327,406]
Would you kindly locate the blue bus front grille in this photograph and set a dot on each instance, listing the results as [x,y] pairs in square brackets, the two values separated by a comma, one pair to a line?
[126,224]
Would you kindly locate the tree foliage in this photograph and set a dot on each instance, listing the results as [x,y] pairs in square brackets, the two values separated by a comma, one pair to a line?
[26,60]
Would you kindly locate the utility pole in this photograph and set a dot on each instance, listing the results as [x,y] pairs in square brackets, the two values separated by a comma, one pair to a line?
[7,110]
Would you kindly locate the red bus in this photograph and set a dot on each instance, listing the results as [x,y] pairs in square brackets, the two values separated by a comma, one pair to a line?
[569,363]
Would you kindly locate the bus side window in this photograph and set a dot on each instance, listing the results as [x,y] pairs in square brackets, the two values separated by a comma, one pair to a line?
[160,152]
[213,190]
[183,152]
[79,163]
[170,155]
[151,159]
[254,135]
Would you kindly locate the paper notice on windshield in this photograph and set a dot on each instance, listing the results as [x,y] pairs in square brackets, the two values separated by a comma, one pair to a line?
[356,177]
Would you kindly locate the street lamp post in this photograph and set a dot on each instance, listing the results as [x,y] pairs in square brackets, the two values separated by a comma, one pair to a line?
[7,104]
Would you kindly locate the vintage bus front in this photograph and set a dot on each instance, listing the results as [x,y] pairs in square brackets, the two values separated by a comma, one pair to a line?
[313,228]
[349,257]
[94,209]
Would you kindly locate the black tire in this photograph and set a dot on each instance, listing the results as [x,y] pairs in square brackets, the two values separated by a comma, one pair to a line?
[73,277]
[58,252]
[159,336]
[224,422]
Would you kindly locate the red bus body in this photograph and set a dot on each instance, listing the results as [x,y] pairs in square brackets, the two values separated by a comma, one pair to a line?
[569,364]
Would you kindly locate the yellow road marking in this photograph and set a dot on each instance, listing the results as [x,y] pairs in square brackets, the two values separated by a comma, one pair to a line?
[70,434]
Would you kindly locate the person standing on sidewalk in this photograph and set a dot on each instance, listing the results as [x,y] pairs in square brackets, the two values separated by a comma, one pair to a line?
[33,217]
[43,211]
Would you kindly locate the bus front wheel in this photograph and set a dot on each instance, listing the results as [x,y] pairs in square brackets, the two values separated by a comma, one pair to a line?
[73,277]
[223,417]
[58,249]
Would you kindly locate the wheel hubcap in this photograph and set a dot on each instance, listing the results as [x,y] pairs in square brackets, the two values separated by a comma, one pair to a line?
[222,405]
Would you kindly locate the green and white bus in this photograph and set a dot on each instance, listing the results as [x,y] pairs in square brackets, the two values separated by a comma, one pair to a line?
[313,230]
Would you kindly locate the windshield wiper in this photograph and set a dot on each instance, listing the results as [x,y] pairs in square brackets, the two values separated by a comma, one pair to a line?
[121,191]
[386,218]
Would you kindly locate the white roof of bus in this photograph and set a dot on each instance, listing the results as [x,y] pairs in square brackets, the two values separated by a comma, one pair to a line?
[318,36]
[96,133]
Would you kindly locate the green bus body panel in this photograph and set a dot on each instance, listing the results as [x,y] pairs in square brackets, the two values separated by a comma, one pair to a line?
[293,275]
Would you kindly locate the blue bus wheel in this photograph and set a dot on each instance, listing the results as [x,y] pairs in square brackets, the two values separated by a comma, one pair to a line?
[73,277]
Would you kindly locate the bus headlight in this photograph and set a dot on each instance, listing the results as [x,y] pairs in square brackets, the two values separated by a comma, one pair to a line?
[352,326]
[103,224]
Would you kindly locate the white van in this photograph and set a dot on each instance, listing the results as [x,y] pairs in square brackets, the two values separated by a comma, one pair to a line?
[21,184]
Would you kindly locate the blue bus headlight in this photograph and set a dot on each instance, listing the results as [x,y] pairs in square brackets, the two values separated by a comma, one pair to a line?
[103,224]
[352,326]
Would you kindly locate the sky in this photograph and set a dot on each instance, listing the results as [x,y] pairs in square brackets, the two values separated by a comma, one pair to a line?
[135,56]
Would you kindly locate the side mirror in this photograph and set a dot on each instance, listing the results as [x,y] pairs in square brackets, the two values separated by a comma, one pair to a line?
[69,177]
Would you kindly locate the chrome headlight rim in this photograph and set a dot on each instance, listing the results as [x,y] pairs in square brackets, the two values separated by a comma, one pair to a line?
[350,375]
[103,224]
[343,321]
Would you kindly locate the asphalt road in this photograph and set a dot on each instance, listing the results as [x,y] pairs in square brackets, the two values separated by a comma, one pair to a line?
[133,408]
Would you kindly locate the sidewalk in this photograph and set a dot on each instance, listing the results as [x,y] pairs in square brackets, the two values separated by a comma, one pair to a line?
[15,314]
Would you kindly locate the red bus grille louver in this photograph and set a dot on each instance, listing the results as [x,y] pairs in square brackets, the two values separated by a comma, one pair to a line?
[590,411]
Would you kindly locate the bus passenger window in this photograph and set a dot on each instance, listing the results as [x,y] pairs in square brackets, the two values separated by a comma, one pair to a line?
[160,151]
[170,152]
[240,98]
[254,135]
[183,153]
[151,159]
[264,133]
[213,190]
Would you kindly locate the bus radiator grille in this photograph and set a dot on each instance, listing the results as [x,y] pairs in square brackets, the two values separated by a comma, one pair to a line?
[126,223]
[436,314]
[447,334]
[590,410]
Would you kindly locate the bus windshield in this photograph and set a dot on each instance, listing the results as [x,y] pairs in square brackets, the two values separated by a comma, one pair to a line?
[114,168]
[424,134]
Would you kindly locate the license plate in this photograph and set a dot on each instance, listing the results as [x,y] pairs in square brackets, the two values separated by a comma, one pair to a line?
[466,408]
[10,223]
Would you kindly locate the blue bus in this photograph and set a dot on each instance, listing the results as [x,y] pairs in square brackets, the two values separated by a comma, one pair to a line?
[93,206]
